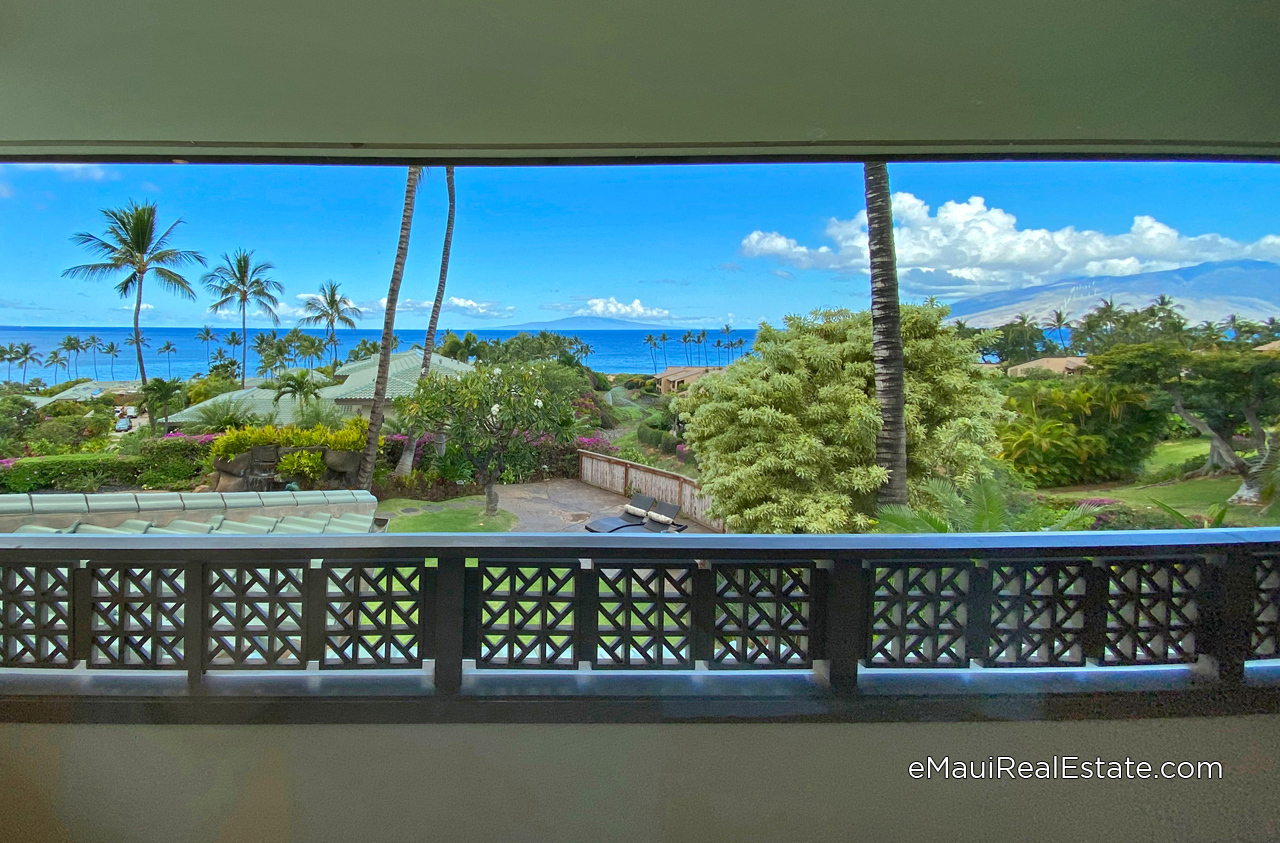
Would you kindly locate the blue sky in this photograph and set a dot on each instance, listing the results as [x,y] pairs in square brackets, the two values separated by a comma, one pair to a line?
[679,245]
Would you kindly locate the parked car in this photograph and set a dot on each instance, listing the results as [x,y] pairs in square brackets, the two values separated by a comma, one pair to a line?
[131,412]
[123,426]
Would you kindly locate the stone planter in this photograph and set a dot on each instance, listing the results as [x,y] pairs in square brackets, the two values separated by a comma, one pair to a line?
[237,465]
[343,462]
[265,454]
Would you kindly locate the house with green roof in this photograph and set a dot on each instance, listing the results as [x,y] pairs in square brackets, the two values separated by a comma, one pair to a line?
[354,393]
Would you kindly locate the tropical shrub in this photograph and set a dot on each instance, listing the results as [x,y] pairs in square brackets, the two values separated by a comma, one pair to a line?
[65,472]
[173,460]
[350,437]
[598,444]
[1087,431]
[202,389]
[304,465]
[219,416]
[979,507]
[786,437]
[657,437]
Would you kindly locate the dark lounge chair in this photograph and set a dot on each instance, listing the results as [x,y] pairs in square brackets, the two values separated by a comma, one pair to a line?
[660,519]
[633,515]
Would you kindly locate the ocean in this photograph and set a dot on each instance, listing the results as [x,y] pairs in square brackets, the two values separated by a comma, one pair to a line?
[612,351]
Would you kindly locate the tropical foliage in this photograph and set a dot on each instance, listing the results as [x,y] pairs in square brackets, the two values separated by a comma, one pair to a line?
[979,507]
[786,437]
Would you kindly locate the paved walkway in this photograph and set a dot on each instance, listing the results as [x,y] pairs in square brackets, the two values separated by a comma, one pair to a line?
[563,506]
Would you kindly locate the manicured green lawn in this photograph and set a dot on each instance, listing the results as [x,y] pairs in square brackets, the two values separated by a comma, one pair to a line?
[469,520]
[1176,453]
[1190,497]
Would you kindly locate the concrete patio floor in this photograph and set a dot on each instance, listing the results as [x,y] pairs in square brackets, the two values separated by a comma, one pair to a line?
[564,506]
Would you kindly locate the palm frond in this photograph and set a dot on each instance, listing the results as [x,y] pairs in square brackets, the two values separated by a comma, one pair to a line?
[174,283]
[898,518]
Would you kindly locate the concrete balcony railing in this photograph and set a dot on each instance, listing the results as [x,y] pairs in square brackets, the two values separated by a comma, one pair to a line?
[609,627]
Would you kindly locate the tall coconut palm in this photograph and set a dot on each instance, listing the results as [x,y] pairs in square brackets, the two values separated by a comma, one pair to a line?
[131,245]
[330,308]
[168,349]
[93,343]
[364,477]
[24,356]
[72,345]
[1057,321]
[240,284]
[886,336]
[663,339]
[429,346]
[10,353]
[702,344]
[55,361]
[651,343]
[234,340]
[112,351]
[206,336]
[138,342]
[727,330]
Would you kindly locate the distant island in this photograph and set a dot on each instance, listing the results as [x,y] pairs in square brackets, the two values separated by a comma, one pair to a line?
[587,323]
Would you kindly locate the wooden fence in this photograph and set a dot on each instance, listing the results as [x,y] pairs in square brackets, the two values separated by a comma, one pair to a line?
[628,478]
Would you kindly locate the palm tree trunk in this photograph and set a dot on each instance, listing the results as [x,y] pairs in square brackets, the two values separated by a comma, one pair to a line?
[244,346]
[364,478]
[430,343]
[886,334]
[137,333]
[405,465]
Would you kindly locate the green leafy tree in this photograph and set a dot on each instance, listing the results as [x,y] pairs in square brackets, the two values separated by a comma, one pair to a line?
[1203,387]
[131,245]
[485,413]
[162,396]
[330,308]
[240,284]
[460,348]
[979,507]
[786,437]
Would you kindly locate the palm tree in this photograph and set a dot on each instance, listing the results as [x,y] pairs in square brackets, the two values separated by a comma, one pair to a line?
[886,336]
[113,351]
[702,344]
[169,349]
[311,349]
[55,361]
[364,477]
[206,336]
[234,341]
[10,353]
[663,339]
[160,394]
[72,345]
[240,283]
[131,245]
[980,508]
[25,355]
[138,342]
[727,330]
[298,385]
[93,343]
[719,344]
[1057,321]
[330,308]
[429,346]
[651,343]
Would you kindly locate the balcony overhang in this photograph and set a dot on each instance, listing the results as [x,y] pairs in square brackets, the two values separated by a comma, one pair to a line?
[581,82]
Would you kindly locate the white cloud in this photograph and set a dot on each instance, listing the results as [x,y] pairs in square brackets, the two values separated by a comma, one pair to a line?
[968,248]
[612,307]
[783,274]
[452,304]
[144,308]
[77,172]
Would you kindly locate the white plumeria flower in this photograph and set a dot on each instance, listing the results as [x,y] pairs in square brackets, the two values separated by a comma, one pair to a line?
[493,411]
[497,371]
[537,402]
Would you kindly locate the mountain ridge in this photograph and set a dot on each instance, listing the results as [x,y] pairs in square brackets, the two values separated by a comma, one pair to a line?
[1210,290]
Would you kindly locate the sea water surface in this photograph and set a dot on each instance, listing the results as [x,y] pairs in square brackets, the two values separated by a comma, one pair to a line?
[612,351]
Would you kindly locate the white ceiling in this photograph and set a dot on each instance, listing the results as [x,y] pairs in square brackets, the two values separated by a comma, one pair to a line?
[495,80]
